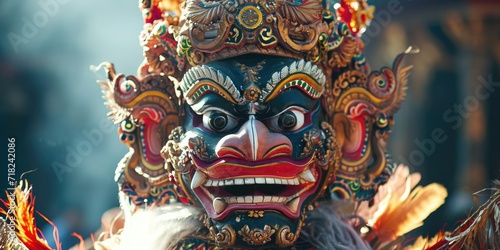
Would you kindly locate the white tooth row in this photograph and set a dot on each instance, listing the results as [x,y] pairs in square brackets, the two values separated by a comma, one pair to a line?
[247,181]
[199,178]
[219,204]
[255,199]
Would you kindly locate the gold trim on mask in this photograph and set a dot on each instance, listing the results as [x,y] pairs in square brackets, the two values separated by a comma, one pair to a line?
[203,87]
[200,79]
[302,81]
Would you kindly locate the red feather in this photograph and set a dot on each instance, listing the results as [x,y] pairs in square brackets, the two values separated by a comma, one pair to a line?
[19,209]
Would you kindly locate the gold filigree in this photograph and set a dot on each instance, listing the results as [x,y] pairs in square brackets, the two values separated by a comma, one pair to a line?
[252,93]
[235,37]
[312,139]
[342,50]
[348,78]
[250,17]
[266,37]
[157,52]
[199,148]
[225,238]
[263,26]
[256,213]
[172,152]
[300,38]
[256,236]
[286,238]
[250,72]
[334,150]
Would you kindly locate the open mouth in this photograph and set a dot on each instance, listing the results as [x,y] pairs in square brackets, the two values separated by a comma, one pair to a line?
[254,185]
[150,146]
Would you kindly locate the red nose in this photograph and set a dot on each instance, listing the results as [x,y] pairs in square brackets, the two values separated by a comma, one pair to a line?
[254,142]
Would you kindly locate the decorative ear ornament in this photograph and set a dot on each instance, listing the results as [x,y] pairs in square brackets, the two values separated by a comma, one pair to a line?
[363,115]
[146,110]
[264,108]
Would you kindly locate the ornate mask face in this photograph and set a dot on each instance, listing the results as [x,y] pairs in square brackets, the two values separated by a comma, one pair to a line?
[254,153]
[261,106]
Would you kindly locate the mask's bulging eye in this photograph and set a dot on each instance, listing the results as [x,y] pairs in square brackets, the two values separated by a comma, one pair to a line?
[289,120]
[218,121]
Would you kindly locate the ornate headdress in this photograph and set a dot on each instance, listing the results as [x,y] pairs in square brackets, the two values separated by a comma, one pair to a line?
[262,107]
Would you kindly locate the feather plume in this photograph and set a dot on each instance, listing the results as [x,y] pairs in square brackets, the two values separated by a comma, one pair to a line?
[396,210]
[389,195]
[117,112]
[154,228]
[411,212]
[20,210]
[482,229]
[423,243]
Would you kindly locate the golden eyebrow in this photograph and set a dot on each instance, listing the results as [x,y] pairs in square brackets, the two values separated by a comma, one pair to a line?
[303,75]
[200,80]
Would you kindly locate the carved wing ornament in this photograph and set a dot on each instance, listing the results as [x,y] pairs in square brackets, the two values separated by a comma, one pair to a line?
[147,110]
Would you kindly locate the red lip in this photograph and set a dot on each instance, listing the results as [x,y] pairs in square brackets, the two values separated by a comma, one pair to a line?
[226,167]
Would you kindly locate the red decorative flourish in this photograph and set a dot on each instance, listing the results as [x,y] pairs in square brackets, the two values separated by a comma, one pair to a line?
[357,14]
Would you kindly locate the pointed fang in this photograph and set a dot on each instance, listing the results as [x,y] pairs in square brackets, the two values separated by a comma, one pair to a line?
[307,175]
[198,179]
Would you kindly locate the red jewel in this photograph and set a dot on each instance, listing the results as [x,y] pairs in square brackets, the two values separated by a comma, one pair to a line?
[345,12]
[363,18]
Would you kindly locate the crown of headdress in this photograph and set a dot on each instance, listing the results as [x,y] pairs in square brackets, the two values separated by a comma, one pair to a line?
[205,31]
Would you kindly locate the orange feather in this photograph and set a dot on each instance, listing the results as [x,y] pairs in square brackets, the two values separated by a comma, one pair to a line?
[411,212]
[21,205]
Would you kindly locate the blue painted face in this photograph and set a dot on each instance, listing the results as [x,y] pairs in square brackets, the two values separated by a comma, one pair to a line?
[255,153]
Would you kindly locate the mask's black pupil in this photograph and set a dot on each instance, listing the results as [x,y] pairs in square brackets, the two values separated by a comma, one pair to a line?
[218,121]
[287,120]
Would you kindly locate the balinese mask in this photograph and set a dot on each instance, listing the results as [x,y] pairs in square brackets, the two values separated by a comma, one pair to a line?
[253,151]
[260,109]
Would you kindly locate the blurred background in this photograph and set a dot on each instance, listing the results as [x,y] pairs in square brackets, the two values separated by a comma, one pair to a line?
[52,106]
